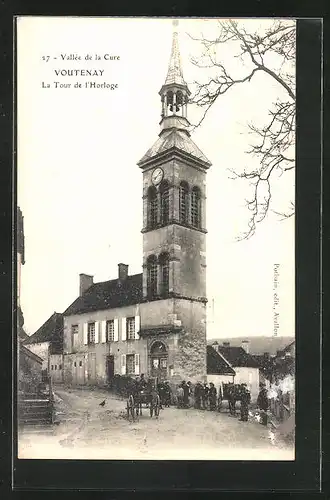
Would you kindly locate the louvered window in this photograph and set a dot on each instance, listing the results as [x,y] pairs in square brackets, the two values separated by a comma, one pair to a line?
[152,276]
[183,202]
[165,202]
[152,207]
[195,207]
[164,273]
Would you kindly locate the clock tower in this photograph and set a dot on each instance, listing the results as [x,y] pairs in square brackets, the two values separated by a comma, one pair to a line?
[173,313]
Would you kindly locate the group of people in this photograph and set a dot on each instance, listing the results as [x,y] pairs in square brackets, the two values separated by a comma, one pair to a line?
[205,396]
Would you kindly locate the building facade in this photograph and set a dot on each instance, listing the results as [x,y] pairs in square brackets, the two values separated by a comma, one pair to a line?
[153,322]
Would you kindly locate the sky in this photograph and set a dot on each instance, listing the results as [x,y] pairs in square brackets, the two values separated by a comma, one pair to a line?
[80,189]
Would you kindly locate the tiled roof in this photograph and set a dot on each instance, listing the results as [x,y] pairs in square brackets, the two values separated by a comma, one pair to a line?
[24,351]
[257,344]
[51,331]
[174,138]
[108,294]
[238,357]
[216,364]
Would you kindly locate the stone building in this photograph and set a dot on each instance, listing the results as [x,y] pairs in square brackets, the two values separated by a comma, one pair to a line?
[153,322]
[47,343]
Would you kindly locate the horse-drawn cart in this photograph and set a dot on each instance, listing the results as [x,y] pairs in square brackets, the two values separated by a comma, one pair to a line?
[143,397]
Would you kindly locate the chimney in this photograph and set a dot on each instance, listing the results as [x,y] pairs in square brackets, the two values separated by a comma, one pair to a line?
[122,271]
[215,346]
[226,344]
[85,282]
[246,346]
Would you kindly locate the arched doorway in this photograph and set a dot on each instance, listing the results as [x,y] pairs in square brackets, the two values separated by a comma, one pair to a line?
[158,357]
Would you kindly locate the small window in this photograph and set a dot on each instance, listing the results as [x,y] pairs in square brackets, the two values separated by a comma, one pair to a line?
[80,363]
[163,362]
[60,367]
[52,367]
[75,364]
[110,330]
[130,328]
[91,333]
[74,335]
[130,364]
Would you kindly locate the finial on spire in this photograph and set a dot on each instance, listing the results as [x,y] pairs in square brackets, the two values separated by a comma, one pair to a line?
[175,24]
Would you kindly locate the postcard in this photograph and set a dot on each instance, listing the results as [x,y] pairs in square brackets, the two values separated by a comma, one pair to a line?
[156,242]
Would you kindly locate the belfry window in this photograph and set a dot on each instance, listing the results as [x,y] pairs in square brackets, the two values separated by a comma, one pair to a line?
[152,276]
[196,207]
[152,207]
[184,202]
[164,202]
[164,273]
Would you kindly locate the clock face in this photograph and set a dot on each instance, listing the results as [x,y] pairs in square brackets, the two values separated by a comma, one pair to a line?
[157,176]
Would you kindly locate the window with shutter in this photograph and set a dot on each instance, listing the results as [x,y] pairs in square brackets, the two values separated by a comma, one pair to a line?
[74,336]
[123,364]
[137,364]
[130,328]
[91,333]
[115,327]
[103,332]
[123,328]
[85,333]
[96,332]
[130,364]
[110,330]
[137,327]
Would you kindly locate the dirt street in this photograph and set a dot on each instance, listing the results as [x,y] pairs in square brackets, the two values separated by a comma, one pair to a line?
[86,430]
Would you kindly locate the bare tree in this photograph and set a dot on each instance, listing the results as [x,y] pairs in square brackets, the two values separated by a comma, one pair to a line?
[273,53]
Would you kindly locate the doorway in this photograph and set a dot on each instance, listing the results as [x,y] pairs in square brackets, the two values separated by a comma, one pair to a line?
[159,358]
[110,367]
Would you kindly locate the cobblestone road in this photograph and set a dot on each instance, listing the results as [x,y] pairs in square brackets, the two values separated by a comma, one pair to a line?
[85,430]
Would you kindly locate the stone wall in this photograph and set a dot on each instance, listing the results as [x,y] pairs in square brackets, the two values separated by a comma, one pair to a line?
[29,374]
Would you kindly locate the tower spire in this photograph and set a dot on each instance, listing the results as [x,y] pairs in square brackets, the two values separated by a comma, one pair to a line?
[174,73]
[174,93]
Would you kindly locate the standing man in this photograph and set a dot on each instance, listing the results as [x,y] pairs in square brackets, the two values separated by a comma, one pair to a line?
[212,397]
[161,392]
[245,401]
[220,397]
[205,395]
[190,388]
[198,395]
[263,403]
[167,394]
[142,382]
[180,395]
[186,391]
[231,398]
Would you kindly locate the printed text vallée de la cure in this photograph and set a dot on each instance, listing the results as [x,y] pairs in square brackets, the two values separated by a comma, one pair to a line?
[62,75]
